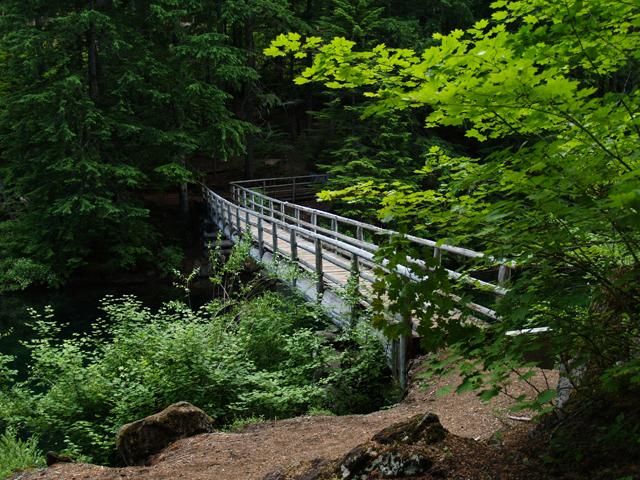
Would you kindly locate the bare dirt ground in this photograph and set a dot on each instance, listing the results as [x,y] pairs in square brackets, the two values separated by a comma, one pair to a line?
[286,444]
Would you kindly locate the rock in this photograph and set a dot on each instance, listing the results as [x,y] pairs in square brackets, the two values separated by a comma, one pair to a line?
[54,457]
[357,462]
[401,463]
[405,449]
[391,462]
[396,451]
[426,428]
[138,440]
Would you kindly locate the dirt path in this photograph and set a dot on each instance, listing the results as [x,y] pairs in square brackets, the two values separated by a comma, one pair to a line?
[265,447]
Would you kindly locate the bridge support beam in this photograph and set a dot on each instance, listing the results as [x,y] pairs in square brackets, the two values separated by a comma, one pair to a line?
[401,353]
[403,361]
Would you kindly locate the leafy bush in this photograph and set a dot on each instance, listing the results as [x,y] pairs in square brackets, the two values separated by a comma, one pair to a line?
[361,379]
[239,424]
[249,353]
[261,358]
[20,273]
[16,454]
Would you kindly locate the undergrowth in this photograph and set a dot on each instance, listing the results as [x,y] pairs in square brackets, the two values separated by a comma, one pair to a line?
[17,454]
[250,353]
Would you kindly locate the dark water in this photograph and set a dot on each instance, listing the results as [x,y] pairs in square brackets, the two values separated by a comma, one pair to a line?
[76,306]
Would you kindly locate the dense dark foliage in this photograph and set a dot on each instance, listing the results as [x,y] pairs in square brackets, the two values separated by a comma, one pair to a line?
[103,100]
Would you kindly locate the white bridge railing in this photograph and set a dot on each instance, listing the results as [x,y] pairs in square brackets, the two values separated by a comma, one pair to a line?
[337,249]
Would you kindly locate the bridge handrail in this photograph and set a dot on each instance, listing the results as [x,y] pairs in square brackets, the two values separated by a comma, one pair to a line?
[321,176]
[371,247]
[465,252]
[339,246]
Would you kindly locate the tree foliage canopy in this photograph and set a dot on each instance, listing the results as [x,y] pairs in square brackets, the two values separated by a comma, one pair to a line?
[550,91]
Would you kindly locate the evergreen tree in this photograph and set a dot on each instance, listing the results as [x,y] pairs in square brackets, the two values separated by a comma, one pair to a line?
[102,100]
[377,150]
[358,20]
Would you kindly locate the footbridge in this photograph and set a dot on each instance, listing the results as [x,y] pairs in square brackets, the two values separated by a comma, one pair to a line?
[338,251]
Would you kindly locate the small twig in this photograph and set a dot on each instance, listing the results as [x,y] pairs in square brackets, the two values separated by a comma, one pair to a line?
[521,376]
[519,419]
[546,380]
[508,395]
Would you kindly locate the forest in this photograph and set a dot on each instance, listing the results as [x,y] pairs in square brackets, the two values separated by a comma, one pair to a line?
[506,127]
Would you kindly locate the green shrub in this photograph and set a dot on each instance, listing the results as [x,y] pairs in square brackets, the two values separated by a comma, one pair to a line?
[261,358]
[247,353]
[239,424]
[359,382]
[17,455]
[20,273]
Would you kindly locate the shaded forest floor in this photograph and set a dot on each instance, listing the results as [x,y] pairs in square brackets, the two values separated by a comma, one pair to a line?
[485,442]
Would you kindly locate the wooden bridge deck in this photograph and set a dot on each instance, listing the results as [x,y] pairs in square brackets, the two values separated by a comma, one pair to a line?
[306,252]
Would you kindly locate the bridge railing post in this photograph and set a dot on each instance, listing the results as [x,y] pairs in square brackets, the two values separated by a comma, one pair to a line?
[437,255]
[293,243]
[274,237]
[260,238]
[504,274]
[355,282]
[253,205]
[319,272]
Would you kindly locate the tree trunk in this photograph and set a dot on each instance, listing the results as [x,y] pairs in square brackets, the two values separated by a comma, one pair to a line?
[184,199]
[249,103]
[249,159]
